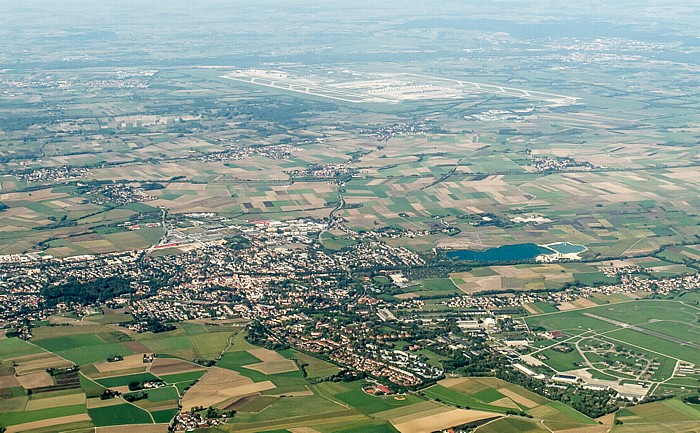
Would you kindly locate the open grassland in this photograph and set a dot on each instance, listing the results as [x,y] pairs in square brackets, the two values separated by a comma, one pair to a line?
[70,327]
[178,346]
[162,394]
[164,416]
[362,426]
[90,387]
[210,345]
[672,326]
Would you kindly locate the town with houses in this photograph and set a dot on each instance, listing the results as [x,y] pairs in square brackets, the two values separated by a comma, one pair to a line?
[275,276]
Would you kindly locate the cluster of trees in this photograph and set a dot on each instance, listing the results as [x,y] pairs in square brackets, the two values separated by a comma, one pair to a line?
[155,326]
[151,186]
[57,223]
[693,399]
[237,242]
[136,397]
[138,386]
[258,336]
[85,293]
[59,371]
[108,393]
[215,413]
[205,362]
[344,375]
[589,402]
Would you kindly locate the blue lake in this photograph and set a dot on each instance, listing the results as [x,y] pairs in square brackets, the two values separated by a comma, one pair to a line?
[505,253]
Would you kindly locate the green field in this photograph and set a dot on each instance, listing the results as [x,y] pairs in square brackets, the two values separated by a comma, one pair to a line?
[157,395]
[120,414]
[459,399]
[210,345]
[13,418]
[439,285]
[352,394]
[562,361]
[236,360]
[14,347]
[311,407]
[180,346]
[359,427]
[162,394]
[86,355]
[164,416]
[315,367]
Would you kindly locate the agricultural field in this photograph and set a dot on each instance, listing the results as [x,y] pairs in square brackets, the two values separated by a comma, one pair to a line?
[668,415]
[452,173]
[529,277]
[495,395]
[72,402]
[184,149]
[268,390]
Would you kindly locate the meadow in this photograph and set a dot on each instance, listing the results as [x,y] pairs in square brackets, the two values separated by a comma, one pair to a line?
[672,322]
